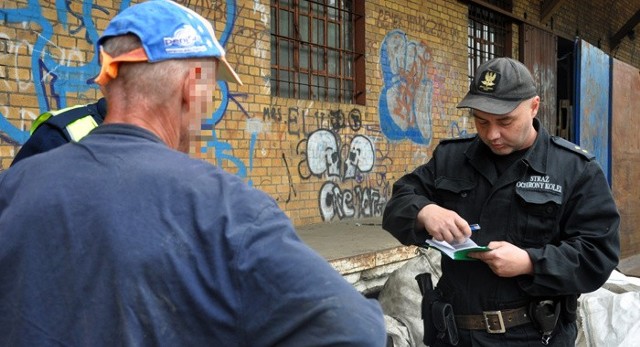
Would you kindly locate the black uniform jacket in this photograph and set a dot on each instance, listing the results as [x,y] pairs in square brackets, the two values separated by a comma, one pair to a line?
[555,203]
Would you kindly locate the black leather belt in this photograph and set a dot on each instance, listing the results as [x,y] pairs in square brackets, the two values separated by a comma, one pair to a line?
[494,322]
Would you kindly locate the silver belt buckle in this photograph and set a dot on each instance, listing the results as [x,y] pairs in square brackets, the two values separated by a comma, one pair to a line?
[487,315]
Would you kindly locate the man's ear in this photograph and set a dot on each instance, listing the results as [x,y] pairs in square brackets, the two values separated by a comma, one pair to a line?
[187,91]
[535,106]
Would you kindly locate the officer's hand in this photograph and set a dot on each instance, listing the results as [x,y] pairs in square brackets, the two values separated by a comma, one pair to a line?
[505,259]
[443,224]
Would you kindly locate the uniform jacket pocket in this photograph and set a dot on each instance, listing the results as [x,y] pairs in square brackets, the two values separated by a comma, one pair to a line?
[539,215]
[453,192]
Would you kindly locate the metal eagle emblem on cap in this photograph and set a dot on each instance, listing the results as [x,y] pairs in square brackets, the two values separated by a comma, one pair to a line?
[488,81]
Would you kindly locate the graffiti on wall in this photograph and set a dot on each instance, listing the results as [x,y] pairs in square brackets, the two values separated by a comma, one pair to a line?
[58,73]
[358,202]
[354,183]
[55,71]
[336,148]
[363,199]
[414,87]
[406,97]
[302,123]
[323,156]
[418,22]
[351,188]
[457,130]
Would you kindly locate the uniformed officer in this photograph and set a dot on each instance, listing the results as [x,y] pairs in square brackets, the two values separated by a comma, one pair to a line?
[545,210]
[55,128]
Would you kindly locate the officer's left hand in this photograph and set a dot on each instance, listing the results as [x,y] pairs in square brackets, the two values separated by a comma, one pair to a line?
[505,259]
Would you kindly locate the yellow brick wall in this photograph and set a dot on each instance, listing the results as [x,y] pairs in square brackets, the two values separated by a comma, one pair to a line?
[277,144]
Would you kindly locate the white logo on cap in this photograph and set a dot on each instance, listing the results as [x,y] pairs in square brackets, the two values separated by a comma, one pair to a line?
[185,39]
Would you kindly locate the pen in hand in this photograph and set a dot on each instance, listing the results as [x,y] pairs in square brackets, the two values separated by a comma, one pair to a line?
[474,227]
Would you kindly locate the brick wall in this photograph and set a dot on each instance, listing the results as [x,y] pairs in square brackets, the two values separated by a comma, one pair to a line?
[275,144]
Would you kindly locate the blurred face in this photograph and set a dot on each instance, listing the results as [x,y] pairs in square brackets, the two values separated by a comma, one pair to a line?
[507,133]
[202,85]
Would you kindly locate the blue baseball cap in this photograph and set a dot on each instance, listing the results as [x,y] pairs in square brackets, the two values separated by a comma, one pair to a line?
[167,30]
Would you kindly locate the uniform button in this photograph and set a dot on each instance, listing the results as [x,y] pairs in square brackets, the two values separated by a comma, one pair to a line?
[463,194]
[549,209]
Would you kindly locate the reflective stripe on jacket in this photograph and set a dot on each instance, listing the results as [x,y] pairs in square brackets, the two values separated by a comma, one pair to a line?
[76,129]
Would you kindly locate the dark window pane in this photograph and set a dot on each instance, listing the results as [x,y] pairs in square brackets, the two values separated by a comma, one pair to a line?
[317,59]
[304,57]
[347,68]
[347,36]
[283,54]
[332,11]
[304,6]
[285,22]
[347,88]
[333,92]
[317,9]
[318,31]
[322,89]
[333,62]
[304,87]
[283,84]
[273,81]
[314,87]
[304,28]
[333,35]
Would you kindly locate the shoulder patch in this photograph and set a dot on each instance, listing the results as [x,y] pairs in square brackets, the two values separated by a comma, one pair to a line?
[560,142]
[462,138]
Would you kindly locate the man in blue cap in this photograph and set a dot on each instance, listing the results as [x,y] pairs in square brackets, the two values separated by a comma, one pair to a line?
[136,244]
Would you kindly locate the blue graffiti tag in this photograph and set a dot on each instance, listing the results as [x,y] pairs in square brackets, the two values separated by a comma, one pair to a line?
[54,81]
[405,100]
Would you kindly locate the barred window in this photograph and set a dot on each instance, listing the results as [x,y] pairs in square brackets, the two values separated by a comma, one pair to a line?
[487,34]
[314,54]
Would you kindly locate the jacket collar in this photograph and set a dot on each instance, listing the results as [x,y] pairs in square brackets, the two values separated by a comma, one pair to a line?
[538,153]
[536,156]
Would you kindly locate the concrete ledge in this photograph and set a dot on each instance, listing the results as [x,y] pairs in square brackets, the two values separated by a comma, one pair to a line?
[359,249]
[373,259]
